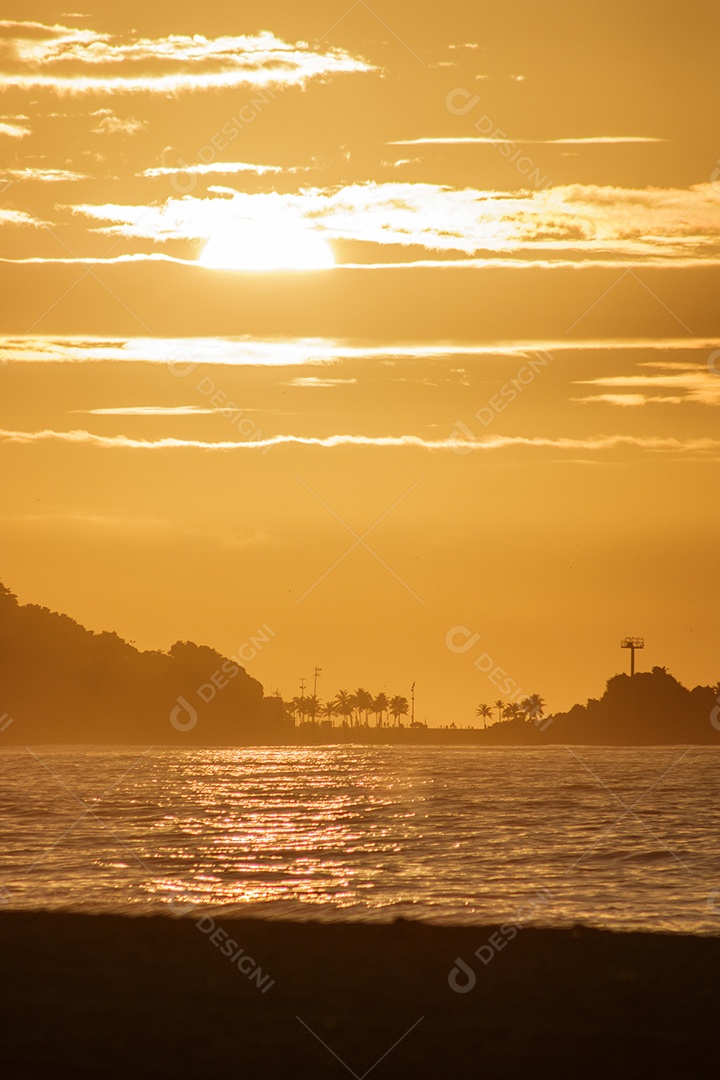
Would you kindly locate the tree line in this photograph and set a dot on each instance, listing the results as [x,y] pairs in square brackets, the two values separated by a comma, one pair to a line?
[353,709]
[530,709]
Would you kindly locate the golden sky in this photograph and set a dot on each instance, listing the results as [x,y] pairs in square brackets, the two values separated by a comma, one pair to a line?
[389,327]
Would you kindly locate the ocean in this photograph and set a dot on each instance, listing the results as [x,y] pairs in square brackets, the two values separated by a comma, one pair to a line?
[620,838]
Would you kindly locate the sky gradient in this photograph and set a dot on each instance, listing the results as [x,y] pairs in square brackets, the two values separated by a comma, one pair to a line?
[487,432]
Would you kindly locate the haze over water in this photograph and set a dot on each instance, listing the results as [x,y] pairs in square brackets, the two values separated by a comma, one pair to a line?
[609,837]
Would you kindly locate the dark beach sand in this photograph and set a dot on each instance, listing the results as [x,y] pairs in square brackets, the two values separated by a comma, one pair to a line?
[106,996]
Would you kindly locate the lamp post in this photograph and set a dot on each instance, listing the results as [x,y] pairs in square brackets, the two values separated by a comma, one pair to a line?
[632,643]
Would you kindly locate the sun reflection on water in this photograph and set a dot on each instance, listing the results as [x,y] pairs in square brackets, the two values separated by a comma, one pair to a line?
[373,833]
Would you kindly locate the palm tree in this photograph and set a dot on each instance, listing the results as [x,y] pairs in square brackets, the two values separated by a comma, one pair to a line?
[512,711]
[533,707]
[363,703]
[499,705]
[298,706]
[329,710]
[344,705]
[484,711]
[379,706]
[399,707]
[313,706]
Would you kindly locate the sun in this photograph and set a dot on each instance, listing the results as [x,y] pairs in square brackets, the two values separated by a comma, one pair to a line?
[276,245]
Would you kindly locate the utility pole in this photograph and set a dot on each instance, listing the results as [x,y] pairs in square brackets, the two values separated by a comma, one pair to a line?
[314,697]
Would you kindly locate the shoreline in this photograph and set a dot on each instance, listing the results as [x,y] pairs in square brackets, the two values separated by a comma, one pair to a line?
[153,996]
[459,740]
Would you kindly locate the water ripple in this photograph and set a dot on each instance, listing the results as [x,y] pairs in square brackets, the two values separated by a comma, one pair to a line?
[621,838]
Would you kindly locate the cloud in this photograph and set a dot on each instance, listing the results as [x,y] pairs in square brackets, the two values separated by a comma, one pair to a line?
[92,260]
[591,140]
[181,355]
[626,400]
[14,130]
[76,60]
[522,260]
[149,410]
[220,168]
[18,217]
[582,220]
[687,385]
[110,124]
[312,381]
[48,176]
[652,443]
[184,355]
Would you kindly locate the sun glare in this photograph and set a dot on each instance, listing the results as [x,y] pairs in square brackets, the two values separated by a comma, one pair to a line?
[267,246]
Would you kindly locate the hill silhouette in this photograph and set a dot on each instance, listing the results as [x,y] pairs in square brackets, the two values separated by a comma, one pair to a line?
[62,683]
[645,709]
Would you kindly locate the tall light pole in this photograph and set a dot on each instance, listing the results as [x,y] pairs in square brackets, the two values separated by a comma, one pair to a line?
[632,643]
[314,697]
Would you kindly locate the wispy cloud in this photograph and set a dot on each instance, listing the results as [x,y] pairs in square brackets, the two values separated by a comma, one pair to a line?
[107,123]
[18,217]
[658,444]
[689,385]
[218,168]
[78,60]
[522,260]
[179,353]
[11,127]
[579,220]
[45,176]
[149,410]
[588,140]
[627,400]
[312,381]
[186,353]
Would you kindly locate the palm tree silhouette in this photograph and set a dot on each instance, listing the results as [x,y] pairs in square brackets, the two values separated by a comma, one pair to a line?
[344,704]
[298,706]
[363,703]
[513,711]
[499,705]
[379,706]
[533,707]
[329,709]
[398,707]
[484,711]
